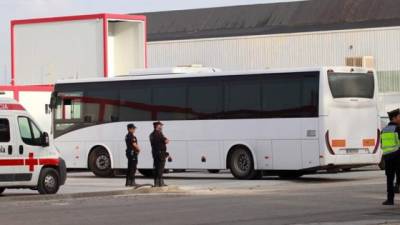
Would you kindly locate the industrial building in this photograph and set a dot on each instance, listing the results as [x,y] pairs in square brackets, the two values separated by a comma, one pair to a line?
[283,35]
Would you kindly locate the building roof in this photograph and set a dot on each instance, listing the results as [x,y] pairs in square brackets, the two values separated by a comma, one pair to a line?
[287,17]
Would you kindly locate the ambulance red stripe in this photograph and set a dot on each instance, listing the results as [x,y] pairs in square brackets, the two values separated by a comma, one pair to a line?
[12,106]
[29,162]
[49,162]
[11,162]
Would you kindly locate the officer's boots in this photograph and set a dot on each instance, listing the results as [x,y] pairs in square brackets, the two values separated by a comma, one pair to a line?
[157,182]
[128,183]
[388,202]
[133,183]
[162,184]
[390,199]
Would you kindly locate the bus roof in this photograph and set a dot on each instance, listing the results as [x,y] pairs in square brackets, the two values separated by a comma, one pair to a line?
[155,76]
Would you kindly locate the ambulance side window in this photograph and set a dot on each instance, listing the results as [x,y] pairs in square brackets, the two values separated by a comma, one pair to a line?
[4,130]
[30,133]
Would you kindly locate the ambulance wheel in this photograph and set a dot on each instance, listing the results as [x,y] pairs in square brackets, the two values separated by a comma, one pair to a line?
[148,173]
[49,181]
[241,164]
[100,163]
[2,190]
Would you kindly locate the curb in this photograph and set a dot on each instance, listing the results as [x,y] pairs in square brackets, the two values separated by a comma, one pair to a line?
[142,191]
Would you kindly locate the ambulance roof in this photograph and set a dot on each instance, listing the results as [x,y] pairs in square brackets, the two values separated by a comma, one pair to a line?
[7,104]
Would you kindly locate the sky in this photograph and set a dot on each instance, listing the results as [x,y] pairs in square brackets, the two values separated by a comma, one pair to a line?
[22,9]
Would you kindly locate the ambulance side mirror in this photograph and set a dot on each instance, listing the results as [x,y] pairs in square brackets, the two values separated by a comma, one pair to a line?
[45,139]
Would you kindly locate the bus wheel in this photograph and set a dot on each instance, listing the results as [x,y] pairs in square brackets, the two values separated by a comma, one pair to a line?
[241,164]
[100,162]
[213,171]
[146,172]
[49,181]
[2,190]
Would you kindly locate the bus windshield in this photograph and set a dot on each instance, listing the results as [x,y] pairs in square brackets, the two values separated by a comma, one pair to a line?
[351,85]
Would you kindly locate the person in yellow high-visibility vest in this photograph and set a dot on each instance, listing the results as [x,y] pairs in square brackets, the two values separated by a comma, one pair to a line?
[390,145]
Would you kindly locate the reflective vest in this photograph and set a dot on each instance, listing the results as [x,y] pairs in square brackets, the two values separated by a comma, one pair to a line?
[389,140]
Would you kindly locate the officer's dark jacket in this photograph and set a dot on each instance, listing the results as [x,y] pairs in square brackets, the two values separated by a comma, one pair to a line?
[396,153]
[129,140]
[157,141]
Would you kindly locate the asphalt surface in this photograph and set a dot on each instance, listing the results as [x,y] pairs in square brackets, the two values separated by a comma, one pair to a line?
[352,198]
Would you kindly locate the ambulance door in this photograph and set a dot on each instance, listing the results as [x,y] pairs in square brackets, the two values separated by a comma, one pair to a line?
[10,163]
[30,147]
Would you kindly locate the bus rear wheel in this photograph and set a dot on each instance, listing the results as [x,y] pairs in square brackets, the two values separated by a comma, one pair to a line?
[241,164]
[2,189]
[100,163]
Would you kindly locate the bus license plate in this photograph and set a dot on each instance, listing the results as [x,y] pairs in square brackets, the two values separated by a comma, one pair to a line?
[352,151]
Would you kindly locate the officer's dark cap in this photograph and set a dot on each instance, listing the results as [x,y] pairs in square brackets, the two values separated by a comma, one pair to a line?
[131,126]
[392,114]
[157,123]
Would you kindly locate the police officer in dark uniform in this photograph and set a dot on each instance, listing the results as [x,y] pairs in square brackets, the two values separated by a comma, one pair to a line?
[132,151]
[390,145]
[159,150]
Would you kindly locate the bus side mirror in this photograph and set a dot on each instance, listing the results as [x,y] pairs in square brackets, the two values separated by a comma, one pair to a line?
[45,139]
[53,101]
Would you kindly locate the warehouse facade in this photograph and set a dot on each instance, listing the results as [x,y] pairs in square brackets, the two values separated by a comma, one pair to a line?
[281,35]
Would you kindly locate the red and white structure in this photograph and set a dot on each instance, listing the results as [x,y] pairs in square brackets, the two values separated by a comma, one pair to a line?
[44,50]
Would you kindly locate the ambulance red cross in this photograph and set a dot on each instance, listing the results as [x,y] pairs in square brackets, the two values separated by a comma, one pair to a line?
[27,158]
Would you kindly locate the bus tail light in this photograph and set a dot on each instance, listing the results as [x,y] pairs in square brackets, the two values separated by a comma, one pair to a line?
[338,143]
[368,142]
[378,138]
[328,143]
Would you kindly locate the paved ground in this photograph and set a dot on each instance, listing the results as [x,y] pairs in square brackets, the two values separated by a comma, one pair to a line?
[347,198]
[200,181]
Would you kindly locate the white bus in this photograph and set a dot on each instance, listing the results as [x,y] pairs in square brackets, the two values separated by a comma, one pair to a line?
[284,122]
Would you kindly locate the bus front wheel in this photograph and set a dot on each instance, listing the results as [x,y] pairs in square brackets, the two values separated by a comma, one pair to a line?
[241,164]
[100,162]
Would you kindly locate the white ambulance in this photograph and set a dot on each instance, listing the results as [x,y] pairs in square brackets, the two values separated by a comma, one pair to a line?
[27,160]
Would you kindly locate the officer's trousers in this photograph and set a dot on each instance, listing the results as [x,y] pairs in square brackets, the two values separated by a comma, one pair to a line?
[392,167]
[132,166]
[159,166]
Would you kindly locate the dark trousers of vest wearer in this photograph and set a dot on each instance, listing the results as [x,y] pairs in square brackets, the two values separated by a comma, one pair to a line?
[392,167]
[130,173]
[159,166]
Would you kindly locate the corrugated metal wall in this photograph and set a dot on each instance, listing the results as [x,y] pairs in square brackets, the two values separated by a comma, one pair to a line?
[287,50]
